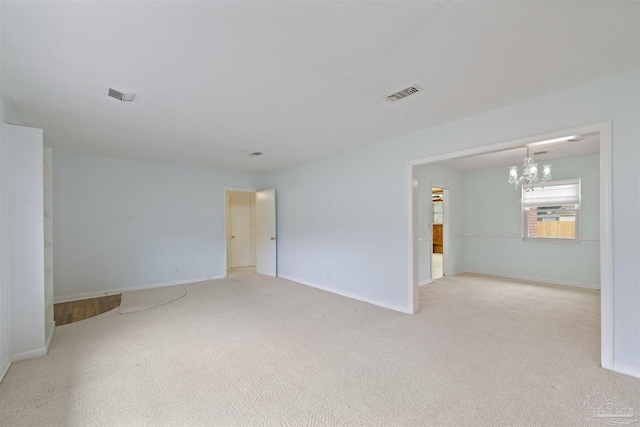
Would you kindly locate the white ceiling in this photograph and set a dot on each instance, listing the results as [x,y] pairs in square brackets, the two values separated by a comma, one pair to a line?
[294,80]
[580,145]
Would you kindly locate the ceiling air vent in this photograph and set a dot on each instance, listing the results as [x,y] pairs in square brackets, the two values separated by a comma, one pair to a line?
[256,154]
[126,97]
[403,93]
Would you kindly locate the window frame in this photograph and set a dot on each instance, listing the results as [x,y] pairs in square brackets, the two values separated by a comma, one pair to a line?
[526,212]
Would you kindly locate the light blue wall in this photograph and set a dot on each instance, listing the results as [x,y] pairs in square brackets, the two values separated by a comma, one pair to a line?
[493,228]
[428,174]
[339,225]
[343,220]
[124,224]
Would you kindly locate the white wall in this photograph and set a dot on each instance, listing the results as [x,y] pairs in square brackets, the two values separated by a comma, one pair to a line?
[7,114]
[48,242]
[343,220]
[493,228]
[4,280]
[23,238]
[123,224]
[428,174]
[342,224]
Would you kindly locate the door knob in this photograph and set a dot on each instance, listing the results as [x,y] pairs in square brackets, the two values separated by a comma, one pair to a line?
[233,237]
[273,238]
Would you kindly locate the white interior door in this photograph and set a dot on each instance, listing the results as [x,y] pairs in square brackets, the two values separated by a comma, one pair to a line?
[240,228]
[266,232]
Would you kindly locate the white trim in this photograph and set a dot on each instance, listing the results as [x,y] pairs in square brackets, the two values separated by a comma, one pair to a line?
[446,229]
[570,194]
[606,218]
[29,354]
[413,303]
[532,279]
[240,190]
[623,368]
[6,367]
[227,226]
[50,337]
[494,236]
[446,233]
[514,143]
[345,294]
[226,190]
[429,281]
[606,243]
[5,320]
[516,236]
[88,295]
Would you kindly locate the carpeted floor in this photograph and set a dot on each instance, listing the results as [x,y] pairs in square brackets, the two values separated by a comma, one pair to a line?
[147,299]
[251,350]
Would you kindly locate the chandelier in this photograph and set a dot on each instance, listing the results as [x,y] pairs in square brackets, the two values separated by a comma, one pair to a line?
[529,174]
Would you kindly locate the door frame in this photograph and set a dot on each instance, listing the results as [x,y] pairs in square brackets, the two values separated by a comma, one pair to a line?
[226,192]
[446,229]
[606,220]
[266,261]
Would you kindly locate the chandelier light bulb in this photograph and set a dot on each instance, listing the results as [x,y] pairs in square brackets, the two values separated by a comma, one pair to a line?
[529,174]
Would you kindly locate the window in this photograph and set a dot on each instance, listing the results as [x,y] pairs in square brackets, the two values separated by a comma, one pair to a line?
[552,211]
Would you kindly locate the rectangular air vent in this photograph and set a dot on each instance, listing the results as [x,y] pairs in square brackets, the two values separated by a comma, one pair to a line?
[127,97]
[403,93]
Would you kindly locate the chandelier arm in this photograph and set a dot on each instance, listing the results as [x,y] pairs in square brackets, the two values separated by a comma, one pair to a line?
[529,175]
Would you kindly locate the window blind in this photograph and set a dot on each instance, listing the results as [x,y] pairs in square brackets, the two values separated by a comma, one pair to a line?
[553,193]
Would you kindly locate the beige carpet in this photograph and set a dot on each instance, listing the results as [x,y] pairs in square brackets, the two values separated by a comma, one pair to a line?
[147,299]
[251,350]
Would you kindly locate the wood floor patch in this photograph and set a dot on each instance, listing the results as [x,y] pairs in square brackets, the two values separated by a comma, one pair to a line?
[74,311]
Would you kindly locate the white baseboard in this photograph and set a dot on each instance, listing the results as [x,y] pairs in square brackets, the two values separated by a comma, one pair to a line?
[430,281]
[5,368]
[532,279]
[346,294]
[88,295]
[50,337]
[29,354]
[625,369]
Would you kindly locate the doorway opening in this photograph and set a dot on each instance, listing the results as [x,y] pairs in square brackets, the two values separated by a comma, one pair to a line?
[240,230]
[250,231]
[437,222]
[604,132]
